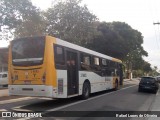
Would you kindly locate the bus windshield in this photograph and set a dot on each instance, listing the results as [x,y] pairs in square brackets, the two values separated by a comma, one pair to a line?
[28,51]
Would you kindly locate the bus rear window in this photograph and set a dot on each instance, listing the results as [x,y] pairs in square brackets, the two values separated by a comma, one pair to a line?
[28,51]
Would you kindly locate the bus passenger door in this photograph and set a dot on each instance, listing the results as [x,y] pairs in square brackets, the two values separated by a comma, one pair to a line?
[72,73]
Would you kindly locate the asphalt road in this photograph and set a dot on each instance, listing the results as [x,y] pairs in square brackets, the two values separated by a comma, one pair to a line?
[123,100]
[126,99]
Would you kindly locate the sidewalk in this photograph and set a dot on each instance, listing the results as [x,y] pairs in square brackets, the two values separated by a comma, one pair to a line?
[3,92]
[156,105]
[131,81]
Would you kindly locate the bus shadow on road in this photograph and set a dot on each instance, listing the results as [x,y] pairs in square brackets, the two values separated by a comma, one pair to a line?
[49,104]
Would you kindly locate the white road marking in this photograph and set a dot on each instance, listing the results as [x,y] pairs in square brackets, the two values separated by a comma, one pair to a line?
[157,92]
[15,100]
[2,110]
[18,108]
[46,98]
[24,118]
[58,108]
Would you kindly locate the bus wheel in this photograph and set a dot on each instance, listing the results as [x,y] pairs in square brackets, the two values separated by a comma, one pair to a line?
[116,85]
[86,91]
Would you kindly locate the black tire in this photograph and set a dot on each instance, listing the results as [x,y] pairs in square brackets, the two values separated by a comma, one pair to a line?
[86,91]
[155,91]
[116,85]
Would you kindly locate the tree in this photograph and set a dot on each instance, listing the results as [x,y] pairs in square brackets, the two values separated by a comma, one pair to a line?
[71,22]
[131,40]
[147,67]
[21,17]
[119,40]
[107,41]
[32,25]
[154,71]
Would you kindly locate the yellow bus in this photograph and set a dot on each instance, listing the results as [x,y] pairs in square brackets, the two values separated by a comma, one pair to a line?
[49,67]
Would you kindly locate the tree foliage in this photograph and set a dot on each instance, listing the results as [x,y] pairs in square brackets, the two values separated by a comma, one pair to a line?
[71,22]
[118,39]
[21,17]
[147,67]
[108,41]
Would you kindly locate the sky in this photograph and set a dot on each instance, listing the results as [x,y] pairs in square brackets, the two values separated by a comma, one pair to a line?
[139,14]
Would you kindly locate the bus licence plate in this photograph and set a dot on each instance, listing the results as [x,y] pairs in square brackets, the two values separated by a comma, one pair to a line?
[147,87]
[27,82]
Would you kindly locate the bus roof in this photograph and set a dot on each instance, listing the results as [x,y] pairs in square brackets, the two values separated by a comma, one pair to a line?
[79,48]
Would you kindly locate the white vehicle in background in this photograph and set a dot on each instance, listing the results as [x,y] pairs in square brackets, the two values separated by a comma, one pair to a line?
[3,78]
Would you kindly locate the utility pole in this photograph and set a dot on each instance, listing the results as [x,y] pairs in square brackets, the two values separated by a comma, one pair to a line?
[158,23]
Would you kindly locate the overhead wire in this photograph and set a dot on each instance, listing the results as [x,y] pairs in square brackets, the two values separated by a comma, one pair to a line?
[153,13]
[157,37]
[158,16]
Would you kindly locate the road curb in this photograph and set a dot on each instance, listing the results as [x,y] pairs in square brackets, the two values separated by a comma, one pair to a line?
[155,105]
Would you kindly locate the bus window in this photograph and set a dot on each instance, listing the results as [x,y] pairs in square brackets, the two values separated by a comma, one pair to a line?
[28,51]
[96,61]
[96,64]
[59,55]
[4,75]
[85,62]
[85,59]
[104,62]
